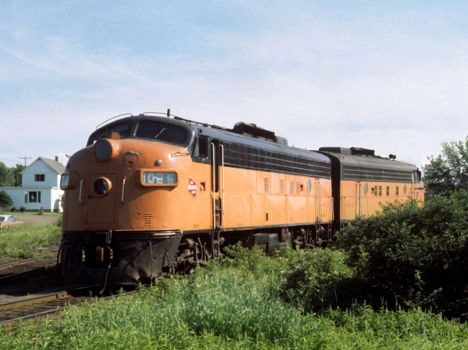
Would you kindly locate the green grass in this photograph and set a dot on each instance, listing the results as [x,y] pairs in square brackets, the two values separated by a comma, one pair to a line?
[22,241]
[238,304]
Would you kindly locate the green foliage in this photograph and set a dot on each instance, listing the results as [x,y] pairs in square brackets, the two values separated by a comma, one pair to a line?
[16,174]
[5,200]
[448,171]
[234,304]
[22,241]
[316,279]
[5,175]
[413,257]
[10,177]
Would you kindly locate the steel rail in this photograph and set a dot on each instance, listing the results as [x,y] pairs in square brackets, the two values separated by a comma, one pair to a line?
[46,304]
[25,273]
[31,307]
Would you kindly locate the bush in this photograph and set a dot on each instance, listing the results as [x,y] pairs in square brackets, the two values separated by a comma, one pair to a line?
[315,280]
[413,257]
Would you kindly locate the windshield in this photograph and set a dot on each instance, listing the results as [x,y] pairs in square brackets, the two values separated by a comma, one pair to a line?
[145,129]
[121,129]
[155,130]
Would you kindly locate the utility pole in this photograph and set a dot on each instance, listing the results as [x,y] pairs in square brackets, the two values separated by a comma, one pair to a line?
[25,159]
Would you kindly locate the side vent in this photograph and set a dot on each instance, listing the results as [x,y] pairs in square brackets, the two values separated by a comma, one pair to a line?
[148,219]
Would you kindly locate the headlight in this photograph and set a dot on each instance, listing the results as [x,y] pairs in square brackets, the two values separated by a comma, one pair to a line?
[102,186]
[158,178]
[105,149]
[64,181]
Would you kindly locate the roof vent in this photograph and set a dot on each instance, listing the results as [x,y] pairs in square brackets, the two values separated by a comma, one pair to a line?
[255,131]
[340,150]
[357,151]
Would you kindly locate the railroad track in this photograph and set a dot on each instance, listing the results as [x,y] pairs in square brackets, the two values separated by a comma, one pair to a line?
[36,306]
[30,289]
[32,307]
[23,274]
[19,263]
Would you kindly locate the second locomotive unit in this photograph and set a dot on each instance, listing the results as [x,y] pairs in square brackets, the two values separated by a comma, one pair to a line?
[150,194]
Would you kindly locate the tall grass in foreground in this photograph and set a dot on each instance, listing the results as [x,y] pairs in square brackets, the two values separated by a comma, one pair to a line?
[237,304]
[22,241]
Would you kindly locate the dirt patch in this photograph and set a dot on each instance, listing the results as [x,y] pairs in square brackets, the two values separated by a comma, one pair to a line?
[38,219]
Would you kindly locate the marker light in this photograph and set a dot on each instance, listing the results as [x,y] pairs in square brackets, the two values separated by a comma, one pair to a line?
[68,181]
[158,178]
[64,181]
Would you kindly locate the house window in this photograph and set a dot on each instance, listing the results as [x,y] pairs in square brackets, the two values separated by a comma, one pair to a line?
[39,177]
[34,197]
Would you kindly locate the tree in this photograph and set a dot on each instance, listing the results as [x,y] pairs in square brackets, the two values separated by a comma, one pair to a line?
[448,171]
[16,174]
[10,177]
[5,175]
[5,200]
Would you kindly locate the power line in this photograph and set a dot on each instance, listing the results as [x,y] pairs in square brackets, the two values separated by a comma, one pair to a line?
[25,159]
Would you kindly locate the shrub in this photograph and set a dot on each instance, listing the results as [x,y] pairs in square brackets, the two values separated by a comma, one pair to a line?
[315,279]
[413,257]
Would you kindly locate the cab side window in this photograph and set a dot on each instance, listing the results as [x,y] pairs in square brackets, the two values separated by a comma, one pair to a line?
[202,147]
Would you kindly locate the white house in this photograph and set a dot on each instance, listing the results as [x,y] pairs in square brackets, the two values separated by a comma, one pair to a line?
[40,188]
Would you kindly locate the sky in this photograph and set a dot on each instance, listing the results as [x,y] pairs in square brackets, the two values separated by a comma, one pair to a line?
[386,75]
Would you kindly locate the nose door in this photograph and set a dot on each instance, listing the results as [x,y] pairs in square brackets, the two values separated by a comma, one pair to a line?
[102,197]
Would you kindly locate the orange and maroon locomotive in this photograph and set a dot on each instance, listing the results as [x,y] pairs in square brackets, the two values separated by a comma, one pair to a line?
[151,193]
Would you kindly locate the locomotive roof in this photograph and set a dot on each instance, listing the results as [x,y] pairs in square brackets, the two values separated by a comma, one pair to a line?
[243,134]
[365,158]
[229,135]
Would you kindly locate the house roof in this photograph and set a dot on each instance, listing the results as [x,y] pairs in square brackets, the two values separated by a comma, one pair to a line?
[56,166]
